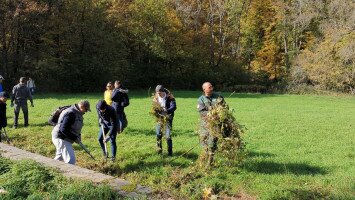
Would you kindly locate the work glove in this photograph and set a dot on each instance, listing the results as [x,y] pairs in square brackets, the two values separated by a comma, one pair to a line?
[12,104]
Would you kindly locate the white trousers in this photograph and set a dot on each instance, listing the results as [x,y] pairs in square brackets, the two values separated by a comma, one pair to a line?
[64,151]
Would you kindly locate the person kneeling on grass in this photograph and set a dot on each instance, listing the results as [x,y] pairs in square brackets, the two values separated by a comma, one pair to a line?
[68,131]
[3,120]
[168,104]
[108,127]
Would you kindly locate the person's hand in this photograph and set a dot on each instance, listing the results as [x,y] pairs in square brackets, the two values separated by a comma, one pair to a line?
[107,139]
[78,140]
[12,105]
[32,105]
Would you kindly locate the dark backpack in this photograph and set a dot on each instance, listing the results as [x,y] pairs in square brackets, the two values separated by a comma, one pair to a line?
[125,99]
[53,119]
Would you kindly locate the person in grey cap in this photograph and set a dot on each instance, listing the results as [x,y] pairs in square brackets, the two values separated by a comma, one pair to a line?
[68,131]
[1,80]
[20,95]
[3,120]
[167,102]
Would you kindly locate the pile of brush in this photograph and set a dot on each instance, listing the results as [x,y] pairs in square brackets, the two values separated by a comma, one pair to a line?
[221,124]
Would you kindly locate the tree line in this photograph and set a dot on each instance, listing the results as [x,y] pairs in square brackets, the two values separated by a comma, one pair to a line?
[78,45]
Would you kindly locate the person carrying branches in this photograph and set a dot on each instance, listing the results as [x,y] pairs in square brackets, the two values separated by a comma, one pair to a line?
[205,103]
[164,106]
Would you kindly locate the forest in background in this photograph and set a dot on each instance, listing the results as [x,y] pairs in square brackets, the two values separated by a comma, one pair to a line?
[239,45]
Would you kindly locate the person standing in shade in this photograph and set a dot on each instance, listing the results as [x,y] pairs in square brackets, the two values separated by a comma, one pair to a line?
[168,104]
[108,93]
[31,85]
[20,95]
[108,125]
[205,103]
[3,120]
[68,130]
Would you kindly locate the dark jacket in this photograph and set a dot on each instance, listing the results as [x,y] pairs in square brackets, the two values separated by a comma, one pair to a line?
[3,119]
[205,103]
[108,118]
[69,125]
[119,100]
[170,105]
[20,92]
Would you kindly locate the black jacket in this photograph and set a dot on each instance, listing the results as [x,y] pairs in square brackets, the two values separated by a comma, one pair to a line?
[119,101]
[3,119]
[108,118]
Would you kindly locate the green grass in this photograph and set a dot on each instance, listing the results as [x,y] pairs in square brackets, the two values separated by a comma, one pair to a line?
[27,179]
[300,147]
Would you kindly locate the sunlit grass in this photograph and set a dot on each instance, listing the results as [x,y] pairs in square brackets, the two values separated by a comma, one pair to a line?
[300,147]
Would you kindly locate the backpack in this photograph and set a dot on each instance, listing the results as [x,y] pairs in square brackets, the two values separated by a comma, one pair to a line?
[125,99]
[53,119]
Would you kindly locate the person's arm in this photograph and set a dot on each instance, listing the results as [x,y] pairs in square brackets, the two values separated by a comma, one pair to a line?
[201,107]
[172,106]
[64,128]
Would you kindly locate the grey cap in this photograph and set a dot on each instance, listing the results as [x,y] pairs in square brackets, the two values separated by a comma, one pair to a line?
[4,94]
[86,104]
[159,88]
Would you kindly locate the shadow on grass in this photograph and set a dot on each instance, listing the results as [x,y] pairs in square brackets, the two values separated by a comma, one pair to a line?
[259,154]
[269,167]
[151,132]
[174,161]
[42,124]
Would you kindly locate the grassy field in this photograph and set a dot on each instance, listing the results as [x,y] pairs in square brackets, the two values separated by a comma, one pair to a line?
[27,179]
[299,147]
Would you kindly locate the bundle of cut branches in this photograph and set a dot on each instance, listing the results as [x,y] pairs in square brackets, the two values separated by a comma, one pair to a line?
[221,124]
[159,114]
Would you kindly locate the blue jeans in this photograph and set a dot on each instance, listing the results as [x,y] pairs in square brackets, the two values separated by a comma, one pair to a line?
[121,122]
[158,129]
[112,141]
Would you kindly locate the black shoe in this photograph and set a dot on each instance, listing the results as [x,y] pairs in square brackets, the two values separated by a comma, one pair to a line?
[113,159]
